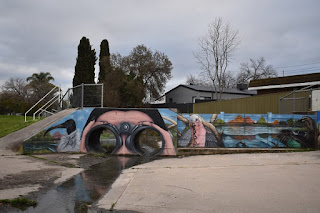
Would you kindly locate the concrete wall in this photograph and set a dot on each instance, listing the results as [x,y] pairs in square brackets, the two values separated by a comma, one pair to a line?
[117,131]
[246,130]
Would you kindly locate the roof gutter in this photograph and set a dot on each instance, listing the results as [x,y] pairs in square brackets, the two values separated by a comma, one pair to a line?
[285,85]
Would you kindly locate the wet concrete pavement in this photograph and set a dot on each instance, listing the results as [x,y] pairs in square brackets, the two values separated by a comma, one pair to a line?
[268,182]
[272,182]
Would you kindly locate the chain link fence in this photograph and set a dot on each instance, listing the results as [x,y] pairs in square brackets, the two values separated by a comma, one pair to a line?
[296,101]
[84,95]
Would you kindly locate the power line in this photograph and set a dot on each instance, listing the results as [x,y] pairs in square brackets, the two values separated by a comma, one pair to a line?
[285,73]
[298,65]
[302,69]
[310,71]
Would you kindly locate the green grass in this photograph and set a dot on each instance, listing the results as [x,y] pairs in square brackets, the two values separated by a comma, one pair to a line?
[21,203]
[12,123]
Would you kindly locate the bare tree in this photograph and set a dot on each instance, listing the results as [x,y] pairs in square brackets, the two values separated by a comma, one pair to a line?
[228,81]
[193,80]
[17,87]
[215,52]
[255,69]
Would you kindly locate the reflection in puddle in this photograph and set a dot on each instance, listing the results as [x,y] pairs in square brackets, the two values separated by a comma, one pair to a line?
[84,188]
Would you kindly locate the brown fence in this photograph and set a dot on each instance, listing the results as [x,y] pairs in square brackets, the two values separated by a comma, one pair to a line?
[256,104]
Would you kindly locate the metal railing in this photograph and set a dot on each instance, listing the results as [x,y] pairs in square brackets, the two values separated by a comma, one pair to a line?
[83,95]
[51,92]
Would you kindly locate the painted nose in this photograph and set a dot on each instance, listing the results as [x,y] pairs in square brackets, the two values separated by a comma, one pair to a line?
[123,149]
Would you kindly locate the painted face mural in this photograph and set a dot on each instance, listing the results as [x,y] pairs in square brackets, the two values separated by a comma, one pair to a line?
[117,131]
[127,127]
[246,130]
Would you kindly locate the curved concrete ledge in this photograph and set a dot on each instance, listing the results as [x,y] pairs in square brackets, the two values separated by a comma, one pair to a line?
[213,151]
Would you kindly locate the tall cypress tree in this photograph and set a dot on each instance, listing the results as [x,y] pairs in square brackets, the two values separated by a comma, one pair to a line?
[84,73]
[104,60]
[84,69]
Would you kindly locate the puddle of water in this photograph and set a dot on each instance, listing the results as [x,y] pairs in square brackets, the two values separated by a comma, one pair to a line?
[85,188]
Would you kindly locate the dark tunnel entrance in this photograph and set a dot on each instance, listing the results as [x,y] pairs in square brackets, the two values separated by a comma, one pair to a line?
[144,140]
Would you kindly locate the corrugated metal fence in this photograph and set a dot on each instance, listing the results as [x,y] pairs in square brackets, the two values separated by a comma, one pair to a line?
[299,102]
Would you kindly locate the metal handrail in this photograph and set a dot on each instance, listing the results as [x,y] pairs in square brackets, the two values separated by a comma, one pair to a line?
[25,114]
[41,108]
[60,100]
[45,109]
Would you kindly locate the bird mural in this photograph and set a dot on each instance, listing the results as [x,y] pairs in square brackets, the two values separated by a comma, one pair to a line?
[300,138]
[69,142]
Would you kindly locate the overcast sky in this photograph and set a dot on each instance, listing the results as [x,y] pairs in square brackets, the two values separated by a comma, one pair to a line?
[42,36]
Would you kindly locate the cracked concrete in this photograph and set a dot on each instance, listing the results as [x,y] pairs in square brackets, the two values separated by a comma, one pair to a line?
[272,182]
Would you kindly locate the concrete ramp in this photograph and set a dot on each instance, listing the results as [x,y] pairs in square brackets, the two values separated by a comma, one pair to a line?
[11,143]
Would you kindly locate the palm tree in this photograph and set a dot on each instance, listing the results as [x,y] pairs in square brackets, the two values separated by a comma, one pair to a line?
[42,77]
[40,85]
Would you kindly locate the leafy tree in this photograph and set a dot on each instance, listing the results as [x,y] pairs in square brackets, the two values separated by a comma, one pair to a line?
[137,78]
[40,85]
[215,52]
[86,60]
[255,69]
[151,68]
[104,60]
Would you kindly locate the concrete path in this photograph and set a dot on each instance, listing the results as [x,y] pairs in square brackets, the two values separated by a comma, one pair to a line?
[273,182]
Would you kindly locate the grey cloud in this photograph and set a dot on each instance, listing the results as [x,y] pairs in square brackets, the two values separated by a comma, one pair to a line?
[40,35]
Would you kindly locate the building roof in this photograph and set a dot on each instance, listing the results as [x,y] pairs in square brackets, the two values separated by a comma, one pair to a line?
[287,81]
[202,88]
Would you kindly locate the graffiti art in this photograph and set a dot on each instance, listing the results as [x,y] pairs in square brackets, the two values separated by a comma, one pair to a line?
[118,131]
[246,130]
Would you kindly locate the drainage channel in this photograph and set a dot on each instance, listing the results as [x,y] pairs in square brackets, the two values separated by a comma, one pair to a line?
[84,189]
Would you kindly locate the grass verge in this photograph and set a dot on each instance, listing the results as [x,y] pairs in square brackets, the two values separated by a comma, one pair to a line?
[12,123]
[21,203]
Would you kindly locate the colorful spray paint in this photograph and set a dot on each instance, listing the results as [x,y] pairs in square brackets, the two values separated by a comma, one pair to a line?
[246,130]
[108,129]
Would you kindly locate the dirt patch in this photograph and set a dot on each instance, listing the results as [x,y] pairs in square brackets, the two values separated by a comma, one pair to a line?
[43,177]
[40,172]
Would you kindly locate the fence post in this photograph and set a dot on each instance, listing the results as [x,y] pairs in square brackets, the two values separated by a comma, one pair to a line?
[82,94]
[280,106]
[102,95]
[294,102]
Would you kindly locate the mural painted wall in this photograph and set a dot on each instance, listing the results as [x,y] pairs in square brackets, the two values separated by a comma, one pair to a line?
[246,130]
[318,129]
[117,131]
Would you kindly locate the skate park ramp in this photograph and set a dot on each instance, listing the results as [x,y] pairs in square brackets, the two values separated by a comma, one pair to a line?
[11,143]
